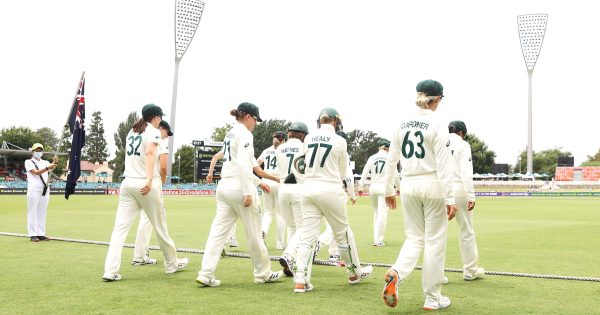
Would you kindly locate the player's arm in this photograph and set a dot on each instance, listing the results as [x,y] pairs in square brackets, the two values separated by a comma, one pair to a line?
[445,169]
[260,172]
[390,166]
[162,162]
[365,174]
[213,162]
[466,174]
[150,160]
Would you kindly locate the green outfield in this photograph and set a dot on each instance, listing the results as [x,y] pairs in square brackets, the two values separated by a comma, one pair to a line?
[557,236]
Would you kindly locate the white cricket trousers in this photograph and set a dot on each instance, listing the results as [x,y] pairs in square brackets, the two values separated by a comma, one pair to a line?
[466,234]
[290,208]
[324,199]
[131,202]
[380,211]
[229,208]
[270,205]
[326,238]
[37,205]
[142,237]
[425,226]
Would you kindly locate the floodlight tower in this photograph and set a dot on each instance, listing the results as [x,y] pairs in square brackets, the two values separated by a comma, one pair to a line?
[532,28]
[187,18]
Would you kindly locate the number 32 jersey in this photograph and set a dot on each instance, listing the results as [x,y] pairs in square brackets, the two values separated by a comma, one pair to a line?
[135,151]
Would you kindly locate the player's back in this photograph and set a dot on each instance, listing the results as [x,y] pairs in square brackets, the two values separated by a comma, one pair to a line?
[135,152]
[286,155]
[325,156]
[420,136]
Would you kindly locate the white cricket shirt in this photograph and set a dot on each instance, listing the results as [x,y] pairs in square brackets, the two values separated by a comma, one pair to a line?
[325,155]
[135,152]
[34,183]
[420,144]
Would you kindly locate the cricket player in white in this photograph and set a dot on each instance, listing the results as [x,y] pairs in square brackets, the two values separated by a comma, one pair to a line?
[237,197]
[232,238]
[323,195]
[465,200]
[375,168]
[141,189]
[420,144]
[289,192]
[268,158]
[38,192]
[141,254]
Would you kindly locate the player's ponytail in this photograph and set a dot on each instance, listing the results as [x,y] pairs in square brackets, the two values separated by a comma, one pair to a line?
[423,100]
[238,114]
[140,126]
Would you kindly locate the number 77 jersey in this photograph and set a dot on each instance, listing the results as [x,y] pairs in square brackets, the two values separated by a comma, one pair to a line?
[135,152]
[325,156]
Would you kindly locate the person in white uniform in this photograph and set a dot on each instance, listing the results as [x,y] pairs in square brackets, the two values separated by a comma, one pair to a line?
[232,238]
[420,144]
[465,200]
[326,162]
[290,185]
[141,254]
[375,169]
[268,158]
[237,197]
[141,189]
[38,192]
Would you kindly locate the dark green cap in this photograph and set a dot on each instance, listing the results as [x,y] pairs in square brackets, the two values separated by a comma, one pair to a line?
[431,88]
[456,126]
[298,126]
[383,142]
[279,135]
[151,110]
[331,112]
[165,124]
[250,109]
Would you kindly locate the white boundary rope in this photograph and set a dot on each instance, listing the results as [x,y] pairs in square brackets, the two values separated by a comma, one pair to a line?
[320,261]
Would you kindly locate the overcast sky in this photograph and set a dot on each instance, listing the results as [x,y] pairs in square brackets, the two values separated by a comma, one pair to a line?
[292,58]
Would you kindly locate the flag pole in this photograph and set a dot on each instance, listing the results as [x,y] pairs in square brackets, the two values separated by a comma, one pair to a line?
[65,126]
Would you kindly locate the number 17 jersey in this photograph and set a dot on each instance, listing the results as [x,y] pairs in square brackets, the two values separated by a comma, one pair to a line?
[135,152]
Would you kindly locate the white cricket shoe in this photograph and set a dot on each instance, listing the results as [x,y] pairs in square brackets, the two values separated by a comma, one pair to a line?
[145,261]
[271,277]
[287,265]
[181,264]
[365,272]
[302,288]
[107,277]
[233,242]
[473,276]
[390,290]
[445,280]
[436,305]
[208,282]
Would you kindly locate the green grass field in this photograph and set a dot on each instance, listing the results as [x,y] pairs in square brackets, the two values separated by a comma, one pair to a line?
[529,235]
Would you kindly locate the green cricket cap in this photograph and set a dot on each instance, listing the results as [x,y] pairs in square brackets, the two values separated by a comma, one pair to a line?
[431,88]
[250,109]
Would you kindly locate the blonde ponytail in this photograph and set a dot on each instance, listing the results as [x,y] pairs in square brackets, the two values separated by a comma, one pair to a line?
[423,100]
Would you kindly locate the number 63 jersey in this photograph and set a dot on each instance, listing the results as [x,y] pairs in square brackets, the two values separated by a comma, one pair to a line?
[421,145]
[135,152]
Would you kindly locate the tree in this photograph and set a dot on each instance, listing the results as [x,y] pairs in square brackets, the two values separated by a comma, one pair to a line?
[49,139]
[96,149]
[118,163]
[483,158]
[263,133]
[592,160]
[544,161]
[361,145]
[22,137]
[186,158]
[220,132]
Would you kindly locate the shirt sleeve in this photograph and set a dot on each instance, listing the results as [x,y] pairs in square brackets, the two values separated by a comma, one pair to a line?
[445,168]
[466,171]
[344,160]
[365,173]
[244,158]
[29,165]
[163,147]
[153,135]
[392,160]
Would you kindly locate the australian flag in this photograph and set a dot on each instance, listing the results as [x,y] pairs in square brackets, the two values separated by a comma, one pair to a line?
[77,127]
